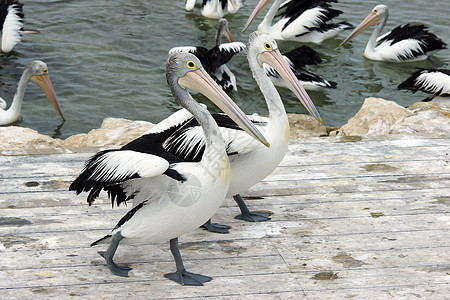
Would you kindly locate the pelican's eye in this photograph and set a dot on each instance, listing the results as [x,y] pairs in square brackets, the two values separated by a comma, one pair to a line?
[191,65]
[268,46]
[375,10]
[45,71]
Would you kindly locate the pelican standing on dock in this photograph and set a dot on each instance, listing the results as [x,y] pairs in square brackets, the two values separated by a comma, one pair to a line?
[404,43]
[214,60]
[11,24]
[297,59]
[250,163]
[215,9]
[171,196]
[301,21]
[435,82]
[37,72]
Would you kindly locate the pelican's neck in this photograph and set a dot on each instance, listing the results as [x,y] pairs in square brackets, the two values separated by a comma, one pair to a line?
[266,24]
[13,113]
[371,45]
[270,93]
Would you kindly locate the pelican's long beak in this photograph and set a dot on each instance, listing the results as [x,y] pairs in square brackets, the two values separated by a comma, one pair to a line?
[43,81]
[371,20]
[258,9]
[228,35]
[200,81]
[276,61]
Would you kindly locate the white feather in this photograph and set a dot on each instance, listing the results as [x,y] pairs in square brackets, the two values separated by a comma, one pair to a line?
[2,104]
[232,47]
[311,18]
[188,49]
[118,165]
[220,71]
[386,51]
[433,82]
[11,29]
[189,5]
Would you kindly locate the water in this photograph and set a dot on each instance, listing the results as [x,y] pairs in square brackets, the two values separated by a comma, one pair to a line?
[106,59]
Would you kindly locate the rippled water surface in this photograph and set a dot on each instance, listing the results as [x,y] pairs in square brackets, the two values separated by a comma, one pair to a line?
[106,59]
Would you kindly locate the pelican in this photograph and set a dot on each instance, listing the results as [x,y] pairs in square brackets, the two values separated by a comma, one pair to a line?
[404,43]
[37,72]
[214,60]
[297,59]
[171,196]
[250,163]
[300,21]
[215,9]
[431,81]
[11,19]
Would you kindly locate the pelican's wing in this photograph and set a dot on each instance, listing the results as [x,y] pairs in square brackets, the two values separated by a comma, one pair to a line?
[222,54]
[11,18]
[188,141]
[435,82]
[303,56]
[174,120]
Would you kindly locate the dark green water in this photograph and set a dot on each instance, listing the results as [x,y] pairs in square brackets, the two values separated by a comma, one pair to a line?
[106,59]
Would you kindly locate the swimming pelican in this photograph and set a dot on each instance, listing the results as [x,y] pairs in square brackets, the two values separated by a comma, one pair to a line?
[214,60]
[297,59]
[11,19]
[171,196]
[302,21]
[431,81]
[250,163]
[37,72]
[404,43]
[216,9]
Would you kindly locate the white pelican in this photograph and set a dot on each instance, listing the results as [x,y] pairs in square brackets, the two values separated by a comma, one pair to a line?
[215,9]
[37,72]
[171,196]
[297,59]
[431,81]
[404,43]
[214,60]
[11,19]
[301,21]
[250,163]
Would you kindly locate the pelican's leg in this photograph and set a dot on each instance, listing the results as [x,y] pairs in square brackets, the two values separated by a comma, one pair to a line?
[109,254]
[435,64]
[182,276]
[247,215]
[215,227]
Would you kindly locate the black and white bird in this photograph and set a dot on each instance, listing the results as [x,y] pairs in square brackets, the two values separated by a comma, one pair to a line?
[435,82]
[215,9]
[171,196]
[404,43]
[37,72]
[11,24]
[250,162]
[305,21]
[214,60]
[297,59]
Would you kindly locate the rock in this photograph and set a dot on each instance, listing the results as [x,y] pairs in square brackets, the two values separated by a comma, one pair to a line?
[19,138]
[375,117]
[305,126]
[113,132]
[427,118]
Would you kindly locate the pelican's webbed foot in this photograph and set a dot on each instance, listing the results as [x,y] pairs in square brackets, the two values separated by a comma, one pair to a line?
[247,215]
[184,277]
[215,227]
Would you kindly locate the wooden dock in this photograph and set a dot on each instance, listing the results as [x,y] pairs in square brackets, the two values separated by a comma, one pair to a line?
[357,218]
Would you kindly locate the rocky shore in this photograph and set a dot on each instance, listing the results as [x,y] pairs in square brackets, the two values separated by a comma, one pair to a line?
[376,117]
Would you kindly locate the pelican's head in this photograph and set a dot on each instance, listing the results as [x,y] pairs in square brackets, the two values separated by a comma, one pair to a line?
[379,14]
[185,70]
[264,48]
[222,29]
[38,73]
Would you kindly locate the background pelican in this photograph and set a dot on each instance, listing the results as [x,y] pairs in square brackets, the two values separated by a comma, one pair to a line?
[249,162]
[431,81]
[171,196]
[302,21]
[11,24]
[297,59]
[214,60]
[37,72]
[404,43]
[215,9]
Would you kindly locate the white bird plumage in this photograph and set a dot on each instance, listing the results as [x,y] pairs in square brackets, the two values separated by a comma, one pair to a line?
[216,9]
[171,196]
